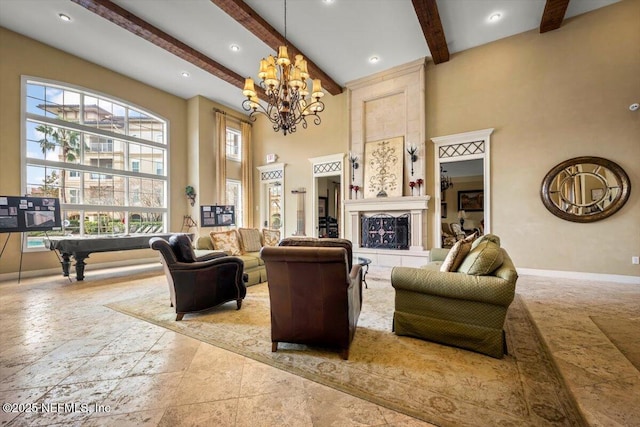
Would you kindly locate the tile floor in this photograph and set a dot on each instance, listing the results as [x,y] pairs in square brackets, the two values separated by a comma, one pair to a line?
[61,345]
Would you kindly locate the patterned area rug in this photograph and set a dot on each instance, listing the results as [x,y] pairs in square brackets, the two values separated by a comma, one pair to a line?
[438,384]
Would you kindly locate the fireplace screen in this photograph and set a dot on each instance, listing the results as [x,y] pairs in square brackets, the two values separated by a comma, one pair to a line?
[385,231]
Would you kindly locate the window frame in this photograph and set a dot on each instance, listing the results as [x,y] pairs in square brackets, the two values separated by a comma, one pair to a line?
[126,208]
[233,157]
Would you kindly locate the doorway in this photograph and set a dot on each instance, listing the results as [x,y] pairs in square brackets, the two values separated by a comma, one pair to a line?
[328,177]
[329,201]
[462,202]
[465,158]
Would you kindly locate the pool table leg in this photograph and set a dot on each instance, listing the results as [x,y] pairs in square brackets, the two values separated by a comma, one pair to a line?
[80,266]
[66,262]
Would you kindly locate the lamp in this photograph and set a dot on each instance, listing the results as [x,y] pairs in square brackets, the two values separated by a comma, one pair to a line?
[445,180]
[412,150]
[462,216]
[285,84]
[354,165]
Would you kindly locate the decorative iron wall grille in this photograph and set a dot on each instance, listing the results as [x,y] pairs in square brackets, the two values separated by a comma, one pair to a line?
[265,176]
[455,150]
[385,231]
[327,167]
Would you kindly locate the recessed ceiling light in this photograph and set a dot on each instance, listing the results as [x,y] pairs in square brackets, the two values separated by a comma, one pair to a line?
[185,74]
[63,17]
[495,17]
[234,47]
[328,1]
[374,59]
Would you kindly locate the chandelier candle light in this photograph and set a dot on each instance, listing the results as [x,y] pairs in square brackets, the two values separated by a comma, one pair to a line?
[285,84]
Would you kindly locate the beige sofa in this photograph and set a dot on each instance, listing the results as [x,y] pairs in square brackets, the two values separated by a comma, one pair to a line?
[241,243]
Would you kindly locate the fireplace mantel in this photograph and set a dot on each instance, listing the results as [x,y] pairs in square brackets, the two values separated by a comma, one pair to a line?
[387,204]
[416,206]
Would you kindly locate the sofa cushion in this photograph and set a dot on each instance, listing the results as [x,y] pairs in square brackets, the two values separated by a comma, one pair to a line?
[483,260]
[270,237]
[250,261]
[255,255]
[250,238]
[456,255]
[227,241]
[204,243]
[182,248]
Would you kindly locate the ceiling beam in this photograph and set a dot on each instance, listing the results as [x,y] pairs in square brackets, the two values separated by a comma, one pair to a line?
[427,12]
[249,18]
[553,15]
[127,20]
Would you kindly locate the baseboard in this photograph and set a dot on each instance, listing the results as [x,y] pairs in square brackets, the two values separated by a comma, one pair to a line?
[88,268]
[617,278]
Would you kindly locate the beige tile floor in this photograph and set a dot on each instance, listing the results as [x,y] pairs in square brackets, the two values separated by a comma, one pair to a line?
[61,345]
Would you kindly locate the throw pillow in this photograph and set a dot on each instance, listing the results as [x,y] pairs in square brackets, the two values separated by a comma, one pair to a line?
[455,256]
[250,239]
[271,237]
[182,248]
[227,241]
[483,260]
[490,237]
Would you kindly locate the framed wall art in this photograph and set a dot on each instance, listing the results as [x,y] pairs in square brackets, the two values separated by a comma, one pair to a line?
[383,167]
[470,201]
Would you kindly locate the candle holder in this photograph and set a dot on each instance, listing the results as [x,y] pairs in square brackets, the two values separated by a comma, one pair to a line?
[354,165]
[413,157]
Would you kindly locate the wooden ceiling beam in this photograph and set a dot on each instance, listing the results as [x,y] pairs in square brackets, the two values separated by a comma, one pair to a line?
[130,22]
[553,15]
[429,18]
[249,18]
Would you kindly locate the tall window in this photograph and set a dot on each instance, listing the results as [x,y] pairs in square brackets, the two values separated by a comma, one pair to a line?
[234,197]
[103,158]
[234,143]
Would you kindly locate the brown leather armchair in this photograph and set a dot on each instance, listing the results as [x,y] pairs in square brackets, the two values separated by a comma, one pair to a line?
[315,298]
[197,284]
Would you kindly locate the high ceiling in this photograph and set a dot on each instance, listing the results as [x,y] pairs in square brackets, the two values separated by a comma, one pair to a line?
[339,36]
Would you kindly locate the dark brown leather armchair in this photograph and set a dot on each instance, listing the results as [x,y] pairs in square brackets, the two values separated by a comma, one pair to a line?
[315,298]
[197,284]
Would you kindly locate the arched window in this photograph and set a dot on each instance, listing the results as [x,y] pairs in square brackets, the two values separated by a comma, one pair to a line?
[105,159]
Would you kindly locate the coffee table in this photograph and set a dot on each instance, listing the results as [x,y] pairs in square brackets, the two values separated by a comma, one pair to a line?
[364,262]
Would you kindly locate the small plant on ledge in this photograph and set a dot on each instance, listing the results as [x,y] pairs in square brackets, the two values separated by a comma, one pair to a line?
[191,194]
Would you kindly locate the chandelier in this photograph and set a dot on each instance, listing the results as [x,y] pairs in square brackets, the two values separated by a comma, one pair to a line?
[445,180]
[285,86]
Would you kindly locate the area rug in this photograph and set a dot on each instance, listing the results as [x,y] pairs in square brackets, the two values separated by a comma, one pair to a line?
[442,385]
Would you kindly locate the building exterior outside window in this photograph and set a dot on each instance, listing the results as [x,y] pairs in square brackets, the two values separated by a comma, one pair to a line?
[103,158]
[234,197]
[234,145]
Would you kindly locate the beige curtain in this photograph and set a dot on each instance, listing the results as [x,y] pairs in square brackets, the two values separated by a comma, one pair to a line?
[221,157]
[247,175]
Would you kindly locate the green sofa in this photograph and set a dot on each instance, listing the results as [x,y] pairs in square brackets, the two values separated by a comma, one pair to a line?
[455,308]
[253,264]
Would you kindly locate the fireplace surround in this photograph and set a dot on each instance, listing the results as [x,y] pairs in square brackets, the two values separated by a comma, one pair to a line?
[413,208]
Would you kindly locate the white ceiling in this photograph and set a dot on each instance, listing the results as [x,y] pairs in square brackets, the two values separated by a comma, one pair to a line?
[339,37]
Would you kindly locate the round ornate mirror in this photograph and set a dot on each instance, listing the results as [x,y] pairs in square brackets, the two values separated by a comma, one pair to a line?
[585,189]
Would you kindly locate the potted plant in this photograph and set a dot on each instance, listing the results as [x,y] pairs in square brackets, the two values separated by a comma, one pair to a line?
[191,194]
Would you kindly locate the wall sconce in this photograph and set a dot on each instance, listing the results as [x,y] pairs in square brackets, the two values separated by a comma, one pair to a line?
[412,150]
[191,194]
[354,165]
